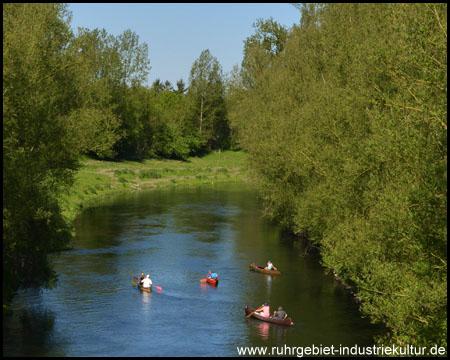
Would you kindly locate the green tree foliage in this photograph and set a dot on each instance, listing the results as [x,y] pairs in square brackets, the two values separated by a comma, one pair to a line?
[206,95]
[172,135]
[130,98]
[38,159]
[260,49]
[168,113]
[181,87]
[135,114]
[134,62]
[234,93]
[346,128]
[158,86]
[93,122]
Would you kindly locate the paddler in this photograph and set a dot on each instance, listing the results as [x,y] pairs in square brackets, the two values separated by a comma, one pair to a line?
[212,275]
[147,282]
[280,314]
[265,310]
[270,266]
[141,278]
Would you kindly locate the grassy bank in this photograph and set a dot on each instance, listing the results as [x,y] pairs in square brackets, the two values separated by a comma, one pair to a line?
[97,181]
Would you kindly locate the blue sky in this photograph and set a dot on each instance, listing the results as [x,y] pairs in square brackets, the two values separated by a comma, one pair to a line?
[176,34]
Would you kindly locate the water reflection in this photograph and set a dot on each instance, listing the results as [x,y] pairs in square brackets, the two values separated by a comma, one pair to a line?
[146,301]
[268,331]
[280,331]
[269,284]
[31,330]
[263,328]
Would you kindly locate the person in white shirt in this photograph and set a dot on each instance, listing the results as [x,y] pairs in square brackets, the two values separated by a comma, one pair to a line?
[270,266]
[147,282]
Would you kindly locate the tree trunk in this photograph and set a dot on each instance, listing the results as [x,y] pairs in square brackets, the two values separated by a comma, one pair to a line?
[201,114]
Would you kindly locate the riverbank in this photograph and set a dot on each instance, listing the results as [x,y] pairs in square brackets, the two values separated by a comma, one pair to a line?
[97,181]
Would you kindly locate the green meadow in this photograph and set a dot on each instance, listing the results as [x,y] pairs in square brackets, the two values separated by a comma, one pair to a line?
[97,181]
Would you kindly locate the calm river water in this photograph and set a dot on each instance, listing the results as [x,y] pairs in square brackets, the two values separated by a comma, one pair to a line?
[177,235]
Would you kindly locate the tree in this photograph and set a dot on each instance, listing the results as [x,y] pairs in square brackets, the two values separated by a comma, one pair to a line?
[206,94]
[38,159]
[93,123]
[168,85]
[181,87]
[135,122]
[134,61]
[157,86]
[172,137]
[346,128]
[261,48]
[235,94]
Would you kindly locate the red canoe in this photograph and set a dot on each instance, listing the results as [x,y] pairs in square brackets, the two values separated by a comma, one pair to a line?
[286,321]
[213,282]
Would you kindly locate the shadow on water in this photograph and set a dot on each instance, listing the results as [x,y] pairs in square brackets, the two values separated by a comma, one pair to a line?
[29,332]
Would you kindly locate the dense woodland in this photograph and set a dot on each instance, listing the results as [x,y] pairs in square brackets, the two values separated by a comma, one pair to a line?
[344,117]
[345,121]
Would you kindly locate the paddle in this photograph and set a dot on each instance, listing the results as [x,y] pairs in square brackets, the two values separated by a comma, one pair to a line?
[254,311]
[159,288]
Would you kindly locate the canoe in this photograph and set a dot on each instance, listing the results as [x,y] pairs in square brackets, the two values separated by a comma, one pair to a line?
[286,321]
[262,270]
[213,282]
[144,289]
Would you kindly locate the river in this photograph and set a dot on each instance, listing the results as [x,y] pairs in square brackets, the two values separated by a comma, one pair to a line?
[176,235]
